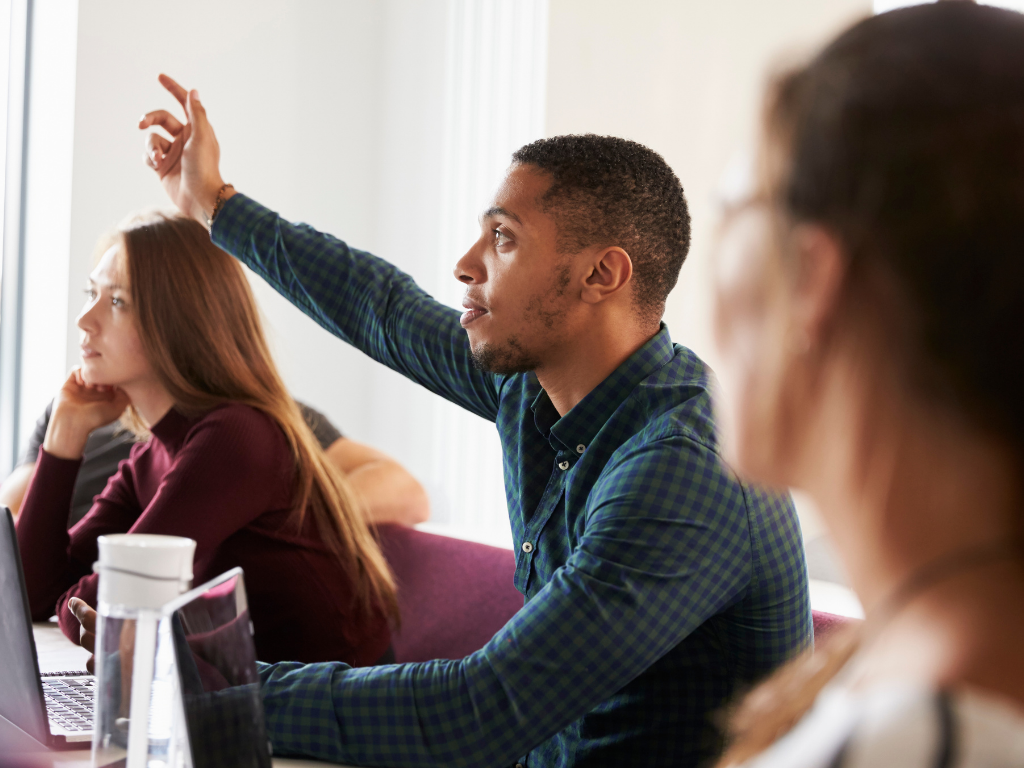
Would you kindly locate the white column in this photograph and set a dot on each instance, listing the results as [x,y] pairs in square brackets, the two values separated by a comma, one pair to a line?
[496,71]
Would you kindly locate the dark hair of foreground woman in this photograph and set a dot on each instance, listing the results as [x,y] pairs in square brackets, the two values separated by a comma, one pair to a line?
[904,139]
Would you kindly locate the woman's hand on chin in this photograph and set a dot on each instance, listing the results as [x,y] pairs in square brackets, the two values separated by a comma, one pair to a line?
[78,409]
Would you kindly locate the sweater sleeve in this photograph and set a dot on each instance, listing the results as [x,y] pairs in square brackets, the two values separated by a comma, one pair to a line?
[226,473]
[42,533]
[55,558]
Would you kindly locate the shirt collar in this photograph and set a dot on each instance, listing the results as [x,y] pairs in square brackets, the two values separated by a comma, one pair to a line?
[580,425]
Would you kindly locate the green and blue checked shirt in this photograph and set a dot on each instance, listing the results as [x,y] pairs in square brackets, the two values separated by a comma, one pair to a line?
[656,584]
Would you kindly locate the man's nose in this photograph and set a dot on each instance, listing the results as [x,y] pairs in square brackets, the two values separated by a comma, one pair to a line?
[470,268]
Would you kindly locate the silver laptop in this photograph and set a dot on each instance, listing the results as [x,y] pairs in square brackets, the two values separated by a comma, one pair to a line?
[55,710]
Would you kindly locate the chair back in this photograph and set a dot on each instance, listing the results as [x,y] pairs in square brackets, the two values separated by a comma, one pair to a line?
[454,595]
[825,624]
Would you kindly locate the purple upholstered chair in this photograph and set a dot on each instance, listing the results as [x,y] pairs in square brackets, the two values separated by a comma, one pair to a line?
[827,623]
[453,594]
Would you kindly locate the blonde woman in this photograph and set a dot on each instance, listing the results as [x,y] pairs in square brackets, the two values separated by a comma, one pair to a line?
[871,328]
[171,332]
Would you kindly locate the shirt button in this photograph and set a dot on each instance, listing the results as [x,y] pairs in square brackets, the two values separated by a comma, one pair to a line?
[581,448]
[527,547]
[563,465]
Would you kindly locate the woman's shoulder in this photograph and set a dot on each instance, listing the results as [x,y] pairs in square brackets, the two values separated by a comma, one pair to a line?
[239,427]
[237,415]
[902,725]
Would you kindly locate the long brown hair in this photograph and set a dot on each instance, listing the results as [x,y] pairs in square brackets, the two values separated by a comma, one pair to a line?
[905,138]
[201,331]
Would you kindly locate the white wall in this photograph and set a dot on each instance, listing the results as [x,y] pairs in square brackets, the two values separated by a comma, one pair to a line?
[292,90]
[336,112]
[407,212]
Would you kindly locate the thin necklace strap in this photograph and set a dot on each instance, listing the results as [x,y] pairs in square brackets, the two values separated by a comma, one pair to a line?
[937,571]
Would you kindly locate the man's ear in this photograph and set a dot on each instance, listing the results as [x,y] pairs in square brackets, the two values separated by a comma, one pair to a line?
[608,273]
[822,269]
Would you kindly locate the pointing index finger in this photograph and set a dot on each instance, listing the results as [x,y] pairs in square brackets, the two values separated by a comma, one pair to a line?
[176,90]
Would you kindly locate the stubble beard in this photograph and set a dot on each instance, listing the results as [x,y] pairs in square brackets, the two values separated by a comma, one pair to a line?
[545,309]
[504,359]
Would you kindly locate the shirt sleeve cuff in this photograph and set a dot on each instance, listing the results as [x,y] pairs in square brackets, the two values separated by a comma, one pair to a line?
[235,222]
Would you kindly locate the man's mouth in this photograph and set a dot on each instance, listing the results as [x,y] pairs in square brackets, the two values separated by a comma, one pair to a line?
[473,312]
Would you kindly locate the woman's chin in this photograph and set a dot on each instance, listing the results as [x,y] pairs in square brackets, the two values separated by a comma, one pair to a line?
[94,377]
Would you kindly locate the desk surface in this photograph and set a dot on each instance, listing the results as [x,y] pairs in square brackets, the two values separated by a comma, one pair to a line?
[58,654]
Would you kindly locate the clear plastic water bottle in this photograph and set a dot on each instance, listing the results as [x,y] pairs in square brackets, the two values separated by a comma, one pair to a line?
[136,686]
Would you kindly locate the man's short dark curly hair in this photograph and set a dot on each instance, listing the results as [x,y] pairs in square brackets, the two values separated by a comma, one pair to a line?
[610,191]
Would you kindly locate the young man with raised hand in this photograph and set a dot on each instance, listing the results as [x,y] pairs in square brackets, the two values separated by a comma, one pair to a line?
[656,584]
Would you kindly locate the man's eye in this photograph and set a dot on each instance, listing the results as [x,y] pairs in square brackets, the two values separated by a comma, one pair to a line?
[500,238]
[90,293]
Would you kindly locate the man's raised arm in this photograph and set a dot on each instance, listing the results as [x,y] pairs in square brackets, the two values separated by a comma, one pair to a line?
[362,299]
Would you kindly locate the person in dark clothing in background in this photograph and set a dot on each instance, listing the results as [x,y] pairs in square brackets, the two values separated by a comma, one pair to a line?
[391,493]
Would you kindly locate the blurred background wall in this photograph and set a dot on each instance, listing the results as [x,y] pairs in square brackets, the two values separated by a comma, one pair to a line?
[684,78]
[387,123]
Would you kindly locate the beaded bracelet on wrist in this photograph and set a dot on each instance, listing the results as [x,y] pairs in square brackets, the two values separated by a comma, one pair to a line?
[218,204]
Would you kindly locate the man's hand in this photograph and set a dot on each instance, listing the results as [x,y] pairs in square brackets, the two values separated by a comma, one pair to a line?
[87,638]
[188,164]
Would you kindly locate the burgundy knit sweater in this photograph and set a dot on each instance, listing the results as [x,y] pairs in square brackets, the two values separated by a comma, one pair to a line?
[225,480]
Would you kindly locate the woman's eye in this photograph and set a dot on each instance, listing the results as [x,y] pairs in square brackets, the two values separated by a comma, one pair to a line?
[90,293]
[117,301]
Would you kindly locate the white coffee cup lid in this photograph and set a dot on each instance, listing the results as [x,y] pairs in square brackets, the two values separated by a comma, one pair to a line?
[142,570]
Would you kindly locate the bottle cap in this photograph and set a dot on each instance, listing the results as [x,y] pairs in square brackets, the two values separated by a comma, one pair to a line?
[141,570]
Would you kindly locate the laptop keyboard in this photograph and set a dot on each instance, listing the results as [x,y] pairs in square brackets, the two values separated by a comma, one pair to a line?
[69,702]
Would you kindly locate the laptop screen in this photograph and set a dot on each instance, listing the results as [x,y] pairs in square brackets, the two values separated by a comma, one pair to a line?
[216,662]
[21,696]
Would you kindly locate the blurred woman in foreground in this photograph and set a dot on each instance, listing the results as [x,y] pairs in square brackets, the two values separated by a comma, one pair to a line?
[870,323]
[170,330]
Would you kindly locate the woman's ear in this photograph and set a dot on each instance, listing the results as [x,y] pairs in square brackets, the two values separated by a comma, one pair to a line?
[608,273]
[820,268]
